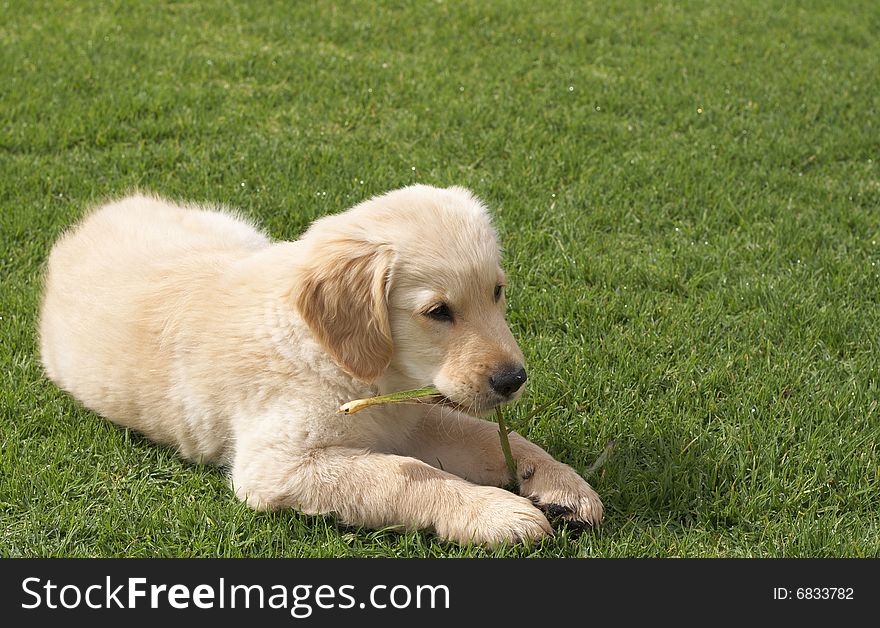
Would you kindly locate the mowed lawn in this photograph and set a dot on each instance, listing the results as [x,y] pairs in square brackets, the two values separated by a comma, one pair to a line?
[688,195]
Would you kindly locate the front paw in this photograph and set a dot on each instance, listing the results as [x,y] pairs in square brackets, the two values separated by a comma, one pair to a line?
[562,494]
[493,517]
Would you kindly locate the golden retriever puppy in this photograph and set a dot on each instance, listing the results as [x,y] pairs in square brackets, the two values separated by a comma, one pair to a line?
[193,328]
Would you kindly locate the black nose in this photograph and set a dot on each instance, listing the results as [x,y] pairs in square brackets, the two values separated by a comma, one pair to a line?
[507,380]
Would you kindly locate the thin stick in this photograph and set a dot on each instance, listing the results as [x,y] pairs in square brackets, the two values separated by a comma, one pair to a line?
[505,446]
[427,393]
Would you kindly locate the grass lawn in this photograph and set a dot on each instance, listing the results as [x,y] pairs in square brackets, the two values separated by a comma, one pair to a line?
[688,194]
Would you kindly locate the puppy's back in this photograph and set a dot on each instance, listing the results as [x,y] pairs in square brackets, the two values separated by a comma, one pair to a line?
[113,286]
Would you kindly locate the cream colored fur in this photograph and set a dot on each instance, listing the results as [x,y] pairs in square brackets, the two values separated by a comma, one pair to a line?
[190,326]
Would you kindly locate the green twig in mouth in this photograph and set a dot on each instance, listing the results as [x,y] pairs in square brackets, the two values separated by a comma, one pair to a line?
[428,393]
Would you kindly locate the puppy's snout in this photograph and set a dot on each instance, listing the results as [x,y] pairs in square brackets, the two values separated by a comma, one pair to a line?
[508,379]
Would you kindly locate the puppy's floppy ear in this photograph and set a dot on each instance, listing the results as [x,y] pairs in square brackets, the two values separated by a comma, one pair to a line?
[342,298]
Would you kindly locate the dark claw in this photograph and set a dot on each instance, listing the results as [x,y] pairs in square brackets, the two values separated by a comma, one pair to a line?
[575,527]
[557,515]
[553,511]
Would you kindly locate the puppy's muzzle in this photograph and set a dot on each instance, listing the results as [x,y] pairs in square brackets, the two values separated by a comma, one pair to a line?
[507,380]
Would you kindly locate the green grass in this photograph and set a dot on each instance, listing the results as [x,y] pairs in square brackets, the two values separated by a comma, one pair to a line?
[688,195]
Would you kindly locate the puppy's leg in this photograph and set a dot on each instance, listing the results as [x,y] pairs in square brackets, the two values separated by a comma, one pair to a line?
[470,448]
[381,490]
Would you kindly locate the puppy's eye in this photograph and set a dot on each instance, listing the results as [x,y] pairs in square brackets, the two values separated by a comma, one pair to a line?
[440,312]
[499,290]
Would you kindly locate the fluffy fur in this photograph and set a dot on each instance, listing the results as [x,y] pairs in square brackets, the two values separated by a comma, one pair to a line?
[190,326]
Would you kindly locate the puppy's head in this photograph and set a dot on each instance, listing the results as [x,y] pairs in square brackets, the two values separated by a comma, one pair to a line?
[406,290]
